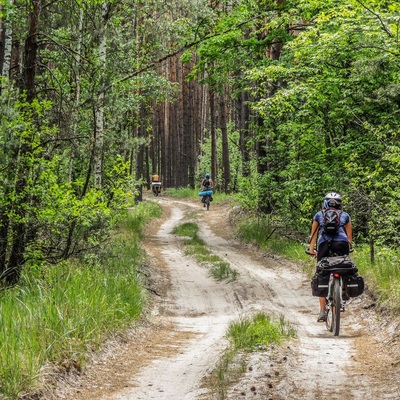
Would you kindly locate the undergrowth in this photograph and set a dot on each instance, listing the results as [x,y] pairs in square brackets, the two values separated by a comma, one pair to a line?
[59,313]
[252,334]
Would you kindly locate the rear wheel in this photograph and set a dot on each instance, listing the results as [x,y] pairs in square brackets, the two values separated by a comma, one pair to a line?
[208,202]
[336,306]
[329,316]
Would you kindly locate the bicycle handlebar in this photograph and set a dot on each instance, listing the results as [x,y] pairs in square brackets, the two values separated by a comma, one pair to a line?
[313,254]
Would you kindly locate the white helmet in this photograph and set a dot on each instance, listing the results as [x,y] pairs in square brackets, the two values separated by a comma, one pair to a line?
[333,199]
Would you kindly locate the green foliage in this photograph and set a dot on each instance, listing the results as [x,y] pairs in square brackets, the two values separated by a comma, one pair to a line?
[332,122]
[273,235]
[142,213]
[382,276]
[58,315]
[235,158]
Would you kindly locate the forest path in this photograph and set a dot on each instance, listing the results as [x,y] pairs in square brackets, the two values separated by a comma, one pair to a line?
[169,357]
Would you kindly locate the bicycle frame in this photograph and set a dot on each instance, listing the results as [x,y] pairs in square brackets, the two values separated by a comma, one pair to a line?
[156,188]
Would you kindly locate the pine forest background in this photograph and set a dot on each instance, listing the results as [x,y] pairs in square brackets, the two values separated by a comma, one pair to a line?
[281,101]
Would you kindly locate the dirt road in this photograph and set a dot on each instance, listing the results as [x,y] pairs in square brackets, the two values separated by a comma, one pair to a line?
[168,357]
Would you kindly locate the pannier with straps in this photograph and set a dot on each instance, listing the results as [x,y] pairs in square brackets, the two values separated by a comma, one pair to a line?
[341,264]
[354,285]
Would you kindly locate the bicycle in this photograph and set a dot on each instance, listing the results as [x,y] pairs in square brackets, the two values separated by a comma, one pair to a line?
[156,188]
[207,200]
[343,283]
[206,197]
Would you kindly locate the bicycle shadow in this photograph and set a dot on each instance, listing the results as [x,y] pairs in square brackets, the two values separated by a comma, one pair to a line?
[329,335]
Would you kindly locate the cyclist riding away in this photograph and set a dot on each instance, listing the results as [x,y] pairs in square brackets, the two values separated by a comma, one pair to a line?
[206,184]
[155,184]
[331,230]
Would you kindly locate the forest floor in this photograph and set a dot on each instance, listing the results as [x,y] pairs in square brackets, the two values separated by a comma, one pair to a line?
[170,355]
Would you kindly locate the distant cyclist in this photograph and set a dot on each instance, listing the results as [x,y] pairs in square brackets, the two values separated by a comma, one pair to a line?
[339,240]
[155,184]
[206,184]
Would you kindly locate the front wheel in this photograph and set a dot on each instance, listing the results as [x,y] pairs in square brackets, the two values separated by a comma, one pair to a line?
[329,315]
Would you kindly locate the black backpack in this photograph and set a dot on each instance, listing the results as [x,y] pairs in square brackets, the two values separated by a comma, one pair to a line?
[331,221]
[206,183]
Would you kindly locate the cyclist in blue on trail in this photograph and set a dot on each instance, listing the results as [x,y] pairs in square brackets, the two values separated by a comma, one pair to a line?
[331,229]
[206,184]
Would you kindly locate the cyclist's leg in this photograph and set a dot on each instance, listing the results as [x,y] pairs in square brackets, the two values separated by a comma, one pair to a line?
[323,249]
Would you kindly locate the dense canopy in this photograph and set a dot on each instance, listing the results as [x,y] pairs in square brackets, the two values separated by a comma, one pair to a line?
[281,101]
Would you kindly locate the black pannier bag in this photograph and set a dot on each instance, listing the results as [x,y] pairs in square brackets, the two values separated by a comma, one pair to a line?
[341,264]
[354,285]
[319,285]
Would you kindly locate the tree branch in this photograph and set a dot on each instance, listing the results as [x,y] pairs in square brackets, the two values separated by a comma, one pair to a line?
[176,52]
[384,27]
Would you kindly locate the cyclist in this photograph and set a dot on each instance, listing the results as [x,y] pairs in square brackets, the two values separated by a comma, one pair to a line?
[155,184]
[339,242]
[206,184]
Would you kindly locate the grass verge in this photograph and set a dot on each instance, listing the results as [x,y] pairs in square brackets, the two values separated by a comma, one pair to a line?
[257,333]
[59,313]
[195,246]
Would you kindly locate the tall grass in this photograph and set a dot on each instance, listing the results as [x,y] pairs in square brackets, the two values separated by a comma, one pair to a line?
[259,332]
[183,193]
[382,276]
[58,313]
[261,232]
[256,333]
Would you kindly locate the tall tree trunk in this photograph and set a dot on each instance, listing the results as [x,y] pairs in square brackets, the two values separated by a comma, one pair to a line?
[166,155]
[77,74]
[244,129]
[213,136]
[226,171]
[188,132]
[99,112]
[8,33]
[19,227]
[191,134]
[264,143]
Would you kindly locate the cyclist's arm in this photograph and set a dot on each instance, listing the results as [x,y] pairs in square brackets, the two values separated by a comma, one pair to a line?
[349,231]
[314,236]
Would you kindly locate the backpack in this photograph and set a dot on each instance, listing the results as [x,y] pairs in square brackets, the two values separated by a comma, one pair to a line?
[331,221]
[206,183]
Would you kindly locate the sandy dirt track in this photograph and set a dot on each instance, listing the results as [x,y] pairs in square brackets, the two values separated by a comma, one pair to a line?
[168,357]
